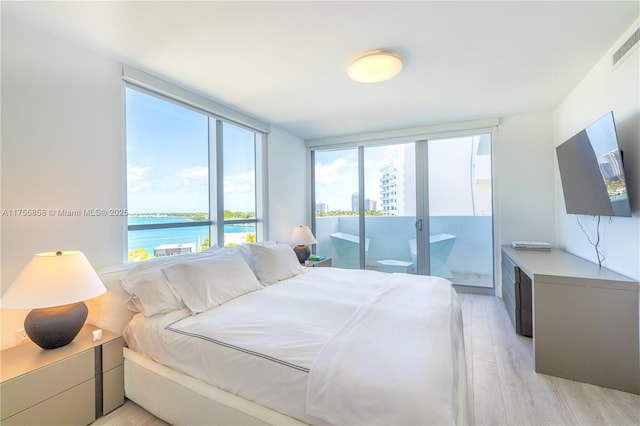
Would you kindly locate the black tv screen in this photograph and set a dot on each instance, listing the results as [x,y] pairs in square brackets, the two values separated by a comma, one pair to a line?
[592,173]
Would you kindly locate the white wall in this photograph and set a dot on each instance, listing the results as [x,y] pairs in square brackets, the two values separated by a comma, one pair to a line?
[61,149]
[605,89]
[523,174]
[289,184]
[523,182]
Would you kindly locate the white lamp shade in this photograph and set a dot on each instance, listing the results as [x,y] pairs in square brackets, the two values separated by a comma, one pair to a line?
[54,279]
[301,236]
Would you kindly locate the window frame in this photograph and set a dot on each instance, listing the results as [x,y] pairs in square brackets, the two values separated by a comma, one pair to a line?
[215,162]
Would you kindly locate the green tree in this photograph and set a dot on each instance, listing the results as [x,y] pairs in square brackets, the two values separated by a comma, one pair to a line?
[348,213]
[200,216]
[136,255]
[228,214]
[206,243]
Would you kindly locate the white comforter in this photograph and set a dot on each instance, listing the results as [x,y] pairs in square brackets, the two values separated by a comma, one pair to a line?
[330,345]
[394,361]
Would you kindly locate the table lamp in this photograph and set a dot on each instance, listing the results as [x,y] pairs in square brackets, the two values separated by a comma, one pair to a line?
[302,237]
[55,285]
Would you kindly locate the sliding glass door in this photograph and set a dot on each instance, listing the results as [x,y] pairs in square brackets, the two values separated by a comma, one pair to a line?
[460,210]
[336,189]
[417,207]
[390,207]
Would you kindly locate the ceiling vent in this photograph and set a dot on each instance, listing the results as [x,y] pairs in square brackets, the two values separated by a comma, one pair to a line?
[622,52]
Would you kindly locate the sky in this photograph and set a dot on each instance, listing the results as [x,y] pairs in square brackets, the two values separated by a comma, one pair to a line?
[168,159]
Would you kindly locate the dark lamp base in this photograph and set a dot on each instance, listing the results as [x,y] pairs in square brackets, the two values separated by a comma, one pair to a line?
[303,253]
[54,327]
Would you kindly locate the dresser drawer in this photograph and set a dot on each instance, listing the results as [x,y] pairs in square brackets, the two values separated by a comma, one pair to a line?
[508,267]
[508,287]
[41,384]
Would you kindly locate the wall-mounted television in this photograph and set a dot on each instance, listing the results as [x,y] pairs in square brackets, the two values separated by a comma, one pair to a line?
[592,173]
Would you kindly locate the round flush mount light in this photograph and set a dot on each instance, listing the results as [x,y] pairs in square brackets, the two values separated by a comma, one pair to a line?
[374,66]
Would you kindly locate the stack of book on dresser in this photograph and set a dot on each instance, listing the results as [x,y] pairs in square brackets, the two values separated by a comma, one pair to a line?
[531,245]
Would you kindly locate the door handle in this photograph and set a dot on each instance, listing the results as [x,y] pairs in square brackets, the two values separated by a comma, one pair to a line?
[418,225]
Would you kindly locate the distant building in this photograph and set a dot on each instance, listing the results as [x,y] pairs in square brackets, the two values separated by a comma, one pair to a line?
[173,249]
[322,208]
[369,204]
[607,170]
[614,159]
[389,190]
[397,184]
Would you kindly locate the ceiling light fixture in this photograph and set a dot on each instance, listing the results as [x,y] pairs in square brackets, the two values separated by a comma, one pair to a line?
[374,66]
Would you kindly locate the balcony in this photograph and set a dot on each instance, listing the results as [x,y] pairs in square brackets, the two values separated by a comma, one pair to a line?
[461,246]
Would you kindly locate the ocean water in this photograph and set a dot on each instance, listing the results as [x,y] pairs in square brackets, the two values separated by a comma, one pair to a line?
[151,238]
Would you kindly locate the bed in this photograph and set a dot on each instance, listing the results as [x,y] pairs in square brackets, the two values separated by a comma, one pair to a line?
[246,335]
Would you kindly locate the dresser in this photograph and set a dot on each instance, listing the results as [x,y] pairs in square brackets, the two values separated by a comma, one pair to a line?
[71,385]
[585,318]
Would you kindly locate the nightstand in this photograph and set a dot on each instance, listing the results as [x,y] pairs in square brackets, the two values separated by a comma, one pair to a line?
[318,263]
[71,385]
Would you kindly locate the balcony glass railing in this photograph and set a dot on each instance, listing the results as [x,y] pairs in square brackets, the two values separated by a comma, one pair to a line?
[461,246]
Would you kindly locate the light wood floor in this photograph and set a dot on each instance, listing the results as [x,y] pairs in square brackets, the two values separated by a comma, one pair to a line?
[503,387]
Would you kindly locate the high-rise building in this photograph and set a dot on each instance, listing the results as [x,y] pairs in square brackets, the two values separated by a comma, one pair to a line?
[397,184]
[614,159]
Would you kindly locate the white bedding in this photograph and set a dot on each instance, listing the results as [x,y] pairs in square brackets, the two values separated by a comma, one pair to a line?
[270,346]
[396,357]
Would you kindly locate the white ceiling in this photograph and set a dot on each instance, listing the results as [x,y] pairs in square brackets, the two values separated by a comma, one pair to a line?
[285,62]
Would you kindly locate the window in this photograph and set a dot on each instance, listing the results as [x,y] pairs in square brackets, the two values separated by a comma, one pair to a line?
[422,206]
[239,185]
[176,194]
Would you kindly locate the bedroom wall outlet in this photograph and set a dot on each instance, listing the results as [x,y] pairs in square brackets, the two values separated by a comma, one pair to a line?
[21,335]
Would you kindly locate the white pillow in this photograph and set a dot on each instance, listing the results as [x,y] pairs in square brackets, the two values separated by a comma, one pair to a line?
[206,283]
[150,293]
[147,286]
[245,251]
[276,263]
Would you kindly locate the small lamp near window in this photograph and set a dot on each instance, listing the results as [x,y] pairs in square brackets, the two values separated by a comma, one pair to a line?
[55,285]
[302,237]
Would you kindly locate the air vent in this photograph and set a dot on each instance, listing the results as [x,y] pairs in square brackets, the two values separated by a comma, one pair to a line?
[626,47]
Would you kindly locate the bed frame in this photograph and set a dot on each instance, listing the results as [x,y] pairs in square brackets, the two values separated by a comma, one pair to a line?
[181,399]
